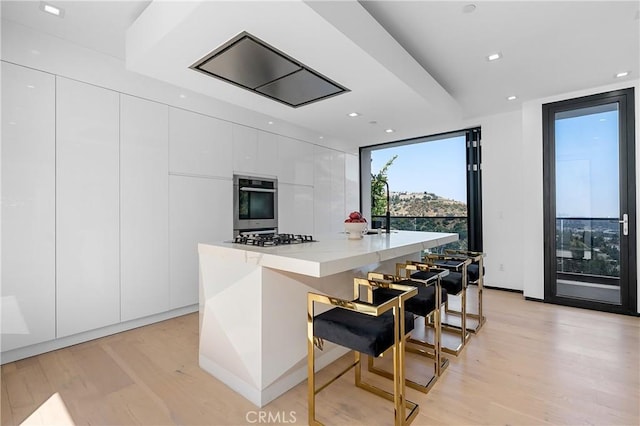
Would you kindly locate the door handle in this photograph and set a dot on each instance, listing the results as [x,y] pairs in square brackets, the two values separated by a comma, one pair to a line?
[625,224]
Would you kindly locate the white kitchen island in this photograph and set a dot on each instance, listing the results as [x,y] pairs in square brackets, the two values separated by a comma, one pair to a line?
[253,303]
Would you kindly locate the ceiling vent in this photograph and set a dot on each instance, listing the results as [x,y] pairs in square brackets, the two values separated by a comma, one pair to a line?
[252,64]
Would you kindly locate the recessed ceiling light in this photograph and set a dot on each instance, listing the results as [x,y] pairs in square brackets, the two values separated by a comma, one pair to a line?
[31,86]
[51,9]
[353,114]
[182,96]
[494,56]
[469,8]
[622,74]
[389,130]
[320,137]
[512,98]
[269,122]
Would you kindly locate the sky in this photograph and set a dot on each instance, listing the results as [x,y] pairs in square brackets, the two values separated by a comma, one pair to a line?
[587,159]
[436,166]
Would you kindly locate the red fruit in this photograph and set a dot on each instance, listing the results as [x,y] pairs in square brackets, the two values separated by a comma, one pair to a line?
[347,221]
[355,215]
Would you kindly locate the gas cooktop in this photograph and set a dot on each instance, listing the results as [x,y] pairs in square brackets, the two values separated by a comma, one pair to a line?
[270,240]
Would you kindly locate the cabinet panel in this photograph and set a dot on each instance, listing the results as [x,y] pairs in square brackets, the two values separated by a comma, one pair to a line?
[200,211]
[295,209]
[351,183]
[295,161]
[245,150]
[199,145]
[329,204]
[144,207]
[87,208]
[267,159]
[28,207]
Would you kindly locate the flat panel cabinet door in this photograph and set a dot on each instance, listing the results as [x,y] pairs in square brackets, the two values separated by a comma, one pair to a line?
[295,209]
[144,207]
[295,161]
[200,211]
[87,208]
[199,145]
[352,183]
[28,207]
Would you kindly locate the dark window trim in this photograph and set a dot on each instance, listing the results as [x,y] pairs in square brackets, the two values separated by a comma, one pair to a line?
[474,176]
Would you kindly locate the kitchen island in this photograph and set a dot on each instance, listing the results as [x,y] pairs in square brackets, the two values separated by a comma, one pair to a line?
[253,302]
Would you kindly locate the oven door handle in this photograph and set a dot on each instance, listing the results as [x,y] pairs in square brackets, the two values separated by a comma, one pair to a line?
[249,189]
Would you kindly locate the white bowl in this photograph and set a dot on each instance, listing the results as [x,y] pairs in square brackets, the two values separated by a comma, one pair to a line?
[355,230]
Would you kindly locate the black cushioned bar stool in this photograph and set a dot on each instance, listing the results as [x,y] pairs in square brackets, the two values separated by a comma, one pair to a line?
[456,285]
[425,304]
[475,277]
[365,328]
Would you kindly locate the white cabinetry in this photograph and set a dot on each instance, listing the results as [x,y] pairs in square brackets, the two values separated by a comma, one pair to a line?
[255,153]
[329,191]
[87,208]
[352,183]
[199,145]
[295,161]
[144,207]
[295,209]
[28,207]
[200,212]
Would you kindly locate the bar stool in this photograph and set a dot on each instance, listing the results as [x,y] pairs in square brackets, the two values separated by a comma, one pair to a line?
[367,329]
[425,304]
[456,285]
[475,277]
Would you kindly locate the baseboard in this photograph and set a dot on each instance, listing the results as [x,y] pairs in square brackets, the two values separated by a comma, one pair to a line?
[52,345]
[533,299]
[510,290]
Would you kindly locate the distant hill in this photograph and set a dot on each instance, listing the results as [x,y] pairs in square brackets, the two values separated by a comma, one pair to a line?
[425,204]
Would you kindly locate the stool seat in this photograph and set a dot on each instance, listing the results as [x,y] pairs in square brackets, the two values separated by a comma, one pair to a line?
[472,271]
[421,304]
[361,332]
[452,282]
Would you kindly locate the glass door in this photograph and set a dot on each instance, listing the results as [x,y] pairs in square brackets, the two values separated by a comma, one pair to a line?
[590,202]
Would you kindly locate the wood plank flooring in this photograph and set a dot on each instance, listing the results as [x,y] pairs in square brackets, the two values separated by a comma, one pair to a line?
[531,364]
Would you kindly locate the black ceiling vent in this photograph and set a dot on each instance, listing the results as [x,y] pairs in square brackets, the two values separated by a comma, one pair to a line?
[250,63]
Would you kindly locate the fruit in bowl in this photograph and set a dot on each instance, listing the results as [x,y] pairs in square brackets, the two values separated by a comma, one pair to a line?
[355,226]
[355,217]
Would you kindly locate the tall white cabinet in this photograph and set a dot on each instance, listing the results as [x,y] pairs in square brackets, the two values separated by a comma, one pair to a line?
[329,191]
[28,207]
[144,207]
[200,196]
[87,207]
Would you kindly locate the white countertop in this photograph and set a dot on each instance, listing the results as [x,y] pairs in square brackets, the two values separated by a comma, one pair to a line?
[332,253]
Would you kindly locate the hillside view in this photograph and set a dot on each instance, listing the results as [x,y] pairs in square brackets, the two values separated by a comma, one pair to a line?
[426,211]
[425,204]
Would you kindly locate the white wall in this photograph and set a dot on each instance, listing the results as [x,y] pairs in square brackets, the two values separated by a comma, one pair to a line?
[502,197]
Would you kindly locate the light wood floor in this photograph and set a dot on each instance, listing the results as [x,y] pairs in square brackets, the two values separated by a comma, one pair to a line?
[531,364]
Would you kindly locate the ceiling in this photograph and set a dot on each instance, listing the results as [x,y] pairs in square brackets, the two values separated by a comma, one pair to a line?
[418,67]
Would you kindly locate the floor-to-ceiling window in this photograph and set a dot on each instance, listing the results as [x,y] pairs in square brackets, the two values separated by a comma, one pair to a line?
[433,184]
[589,172]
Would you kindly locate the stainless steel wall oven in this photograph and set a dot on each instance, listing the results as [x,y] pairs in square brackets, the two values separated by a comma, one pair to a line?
[255,204]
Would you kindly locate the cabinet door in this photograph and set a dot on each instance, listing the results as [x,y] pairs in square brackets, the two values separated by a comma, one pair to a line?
[329,192]
[245,150]
[352,183]
[295,209]
[28,207]
[144,207]
[199,145]
[87,208]
[295,161]
[200,211]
